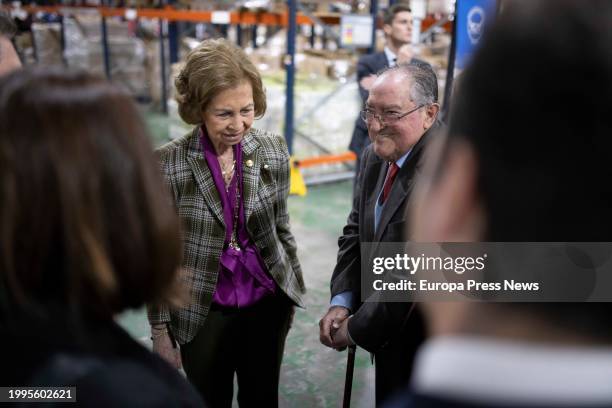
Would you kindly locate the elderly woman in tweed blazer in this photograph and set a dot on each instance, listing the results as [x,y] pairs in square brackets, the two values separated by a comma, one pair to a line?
[230,185]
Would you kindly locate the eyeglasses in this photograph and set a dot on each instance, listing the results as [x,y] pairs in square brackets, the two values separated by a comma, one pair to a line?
[386,118]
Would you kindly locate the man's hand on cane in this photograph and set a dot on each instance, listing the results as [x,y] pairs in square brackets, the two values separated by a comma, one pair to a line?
[330,323]
[340,335]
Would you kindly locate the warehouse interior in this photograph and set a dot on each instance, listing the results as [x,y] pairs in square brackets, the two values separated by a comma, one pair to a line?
[361,243]
[309,72]
[140,46]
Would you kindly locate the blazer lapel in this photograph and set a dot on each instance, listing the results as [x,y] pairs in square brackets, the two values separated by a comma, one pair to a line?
[383,61]
[203,177]
[250,172]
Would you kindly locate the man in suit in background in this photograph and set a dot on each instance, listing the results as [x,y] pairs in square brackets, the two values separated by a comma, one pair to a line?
[555,188]
[9,60]
[401,113]
[397,27]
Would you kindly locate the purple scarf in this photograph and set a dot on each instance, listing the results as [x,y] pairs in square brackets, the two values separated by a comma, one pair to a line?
[243,278]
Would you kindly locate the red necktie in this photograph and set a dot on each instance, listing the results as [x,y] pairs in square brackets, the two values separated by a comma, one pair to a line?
[391,173]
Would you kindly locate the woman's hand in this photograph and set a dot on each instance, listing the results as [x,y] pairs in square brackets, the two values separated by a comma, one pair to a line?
[162,345]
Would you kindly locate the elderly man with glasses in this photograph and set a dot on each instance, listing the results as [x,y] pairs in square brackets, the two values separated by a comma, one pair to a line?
[401,113]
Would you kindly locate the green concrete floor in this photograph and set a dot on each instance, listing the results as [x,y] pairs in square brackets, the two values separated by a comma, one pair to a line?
[312,375]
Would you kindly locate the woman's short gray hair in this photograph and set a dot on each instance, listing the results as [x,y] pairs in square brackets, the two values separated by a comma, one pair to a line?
[213,67]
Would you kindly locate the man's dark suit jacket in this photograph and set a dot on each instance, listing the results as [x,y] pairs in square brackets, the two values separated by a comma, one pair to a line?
[367,65]
[381,328]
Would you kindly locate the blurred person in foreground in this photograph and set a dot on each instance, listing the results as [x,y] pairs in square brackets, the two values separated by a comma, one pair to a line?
[397,26]
[230,184]
[85,233]
[529,137]
[401,114]
[9,60]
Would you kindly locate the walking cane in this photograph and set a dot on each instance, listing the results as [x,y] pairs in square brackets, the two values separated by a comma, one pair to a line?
[348,382]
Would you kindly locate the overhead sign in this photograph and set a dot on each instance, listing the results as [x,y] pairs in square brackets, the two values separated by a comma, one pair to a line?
[220,17]
[356,31]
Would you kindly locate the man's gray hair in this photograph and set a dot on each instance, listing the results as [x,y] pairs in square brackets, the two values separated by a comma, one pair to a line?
[424,82]
[7,26]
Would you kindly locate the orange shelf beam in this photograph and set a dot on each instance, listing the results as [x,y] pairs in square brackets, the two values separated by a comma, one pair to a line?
[430,20]
[205,16]
[171,14]
[318,160]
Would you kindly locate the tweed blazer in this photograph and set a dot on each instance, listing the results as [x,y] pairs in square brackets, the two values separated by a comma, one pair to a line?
[265,169]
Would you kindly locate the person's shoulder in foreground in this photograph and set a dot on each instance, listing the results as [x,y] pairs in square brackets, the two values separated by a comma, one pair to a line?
[108,369]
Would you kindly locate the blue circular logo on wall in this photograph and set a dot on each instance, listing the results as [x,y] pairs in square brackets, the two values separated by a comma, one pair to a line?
[475,24]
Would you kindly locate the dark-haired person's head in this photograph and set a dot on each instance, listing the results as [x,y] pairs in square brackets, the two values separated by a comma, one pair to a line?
[526,156]
[390,13]
[397,24]
[84,223]
[537,117]
[9,60]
